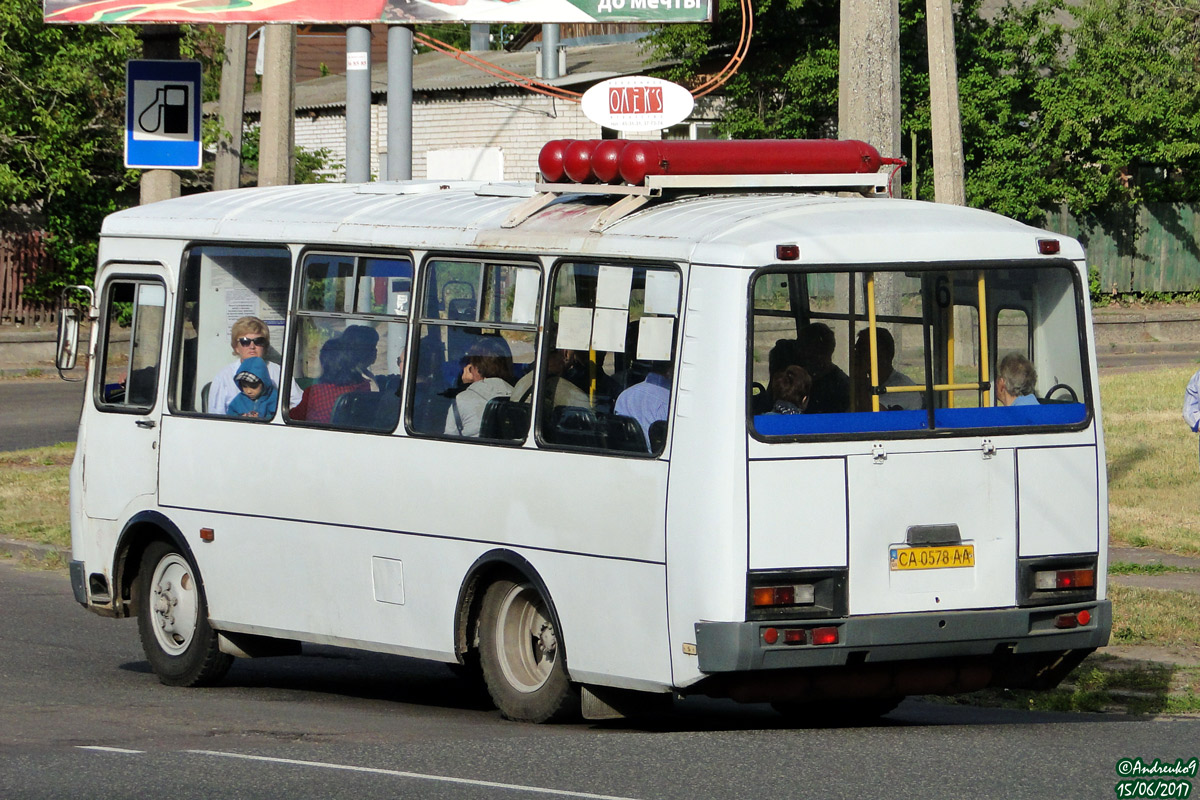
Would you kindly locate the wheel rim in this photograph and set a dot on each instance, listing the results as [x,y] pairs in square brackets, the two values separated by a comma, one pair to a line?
[174,602]
[528,644]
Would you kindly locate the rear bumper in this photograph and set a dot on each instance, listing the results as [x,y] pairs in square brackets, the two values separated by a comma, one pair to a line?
[725,647]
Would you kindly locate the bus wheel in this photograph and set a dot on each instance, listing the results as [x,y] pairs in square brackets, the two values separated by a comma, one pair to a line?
[837,713]
[522,662]
[173,620]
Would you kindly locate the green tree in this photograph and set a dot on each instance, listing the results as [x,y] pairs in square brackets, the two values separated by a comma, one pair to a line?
[61,114]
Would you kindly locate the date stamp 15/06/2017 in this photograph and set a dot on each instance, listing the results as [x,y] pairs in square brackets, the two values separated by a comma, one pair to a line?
[1156,779]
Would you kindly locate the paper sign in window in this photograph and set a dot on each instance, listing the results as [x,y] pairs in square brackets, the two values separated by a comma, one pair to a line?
[574,328]
[662,292]
[608,329]
[612,287]
[525,297]
[654,338]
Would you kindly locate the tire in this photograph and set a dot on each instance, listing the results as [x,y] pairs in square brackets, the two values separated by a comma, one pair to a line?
[839,713]
[523,666]
[173,620]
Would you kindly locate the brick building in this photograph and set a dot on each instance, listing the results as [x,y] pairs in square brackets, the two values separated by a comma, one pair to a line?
[468,123]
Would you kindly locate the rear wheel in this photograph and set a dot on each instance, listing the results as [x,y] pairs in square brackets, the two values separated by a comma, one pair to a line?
[519,652]
[173,620]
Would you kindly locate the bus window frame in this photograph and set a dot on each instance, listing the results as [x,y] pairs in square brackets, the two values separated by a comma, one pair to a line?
[295,314]
[417,319]
[102,340]
[552,273]
[1085,366]
[180,306]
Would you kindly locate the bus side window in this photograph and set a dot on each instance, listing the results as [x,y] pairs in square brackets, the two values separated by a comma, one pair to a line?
[606,378]
[133,326]
[220,286]
[477,339]
[351,341]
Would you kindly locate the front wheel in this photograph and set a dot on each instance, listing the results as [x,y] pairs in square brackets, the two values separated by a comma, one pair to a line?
[519,652]
[173,620]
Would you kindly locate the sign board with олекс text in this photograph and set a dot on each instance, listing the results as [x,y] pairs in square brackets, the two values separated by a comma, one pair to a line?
[637,103]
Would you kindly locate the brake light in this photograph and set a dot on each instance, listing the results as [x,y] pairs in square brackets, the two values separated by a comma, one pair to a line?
[1051,580]
[768,596]
[825,635]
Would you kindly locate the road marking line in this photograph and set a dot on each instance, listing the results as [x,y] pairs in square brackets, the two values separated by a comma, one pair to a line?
[417,775]
[108,749]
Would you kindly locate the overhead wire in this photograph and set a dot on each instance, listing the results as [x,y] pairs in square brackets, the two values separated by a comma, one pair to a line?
[541,87]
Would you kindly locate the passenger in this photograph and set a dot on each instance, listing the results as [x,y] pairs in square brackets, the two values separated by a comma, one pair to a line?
[249,337]
[830,385]
[340,375]
[648,401]
[1016,380]
[789,390]
[258,395]
[487,373]
[391,384]
[785,353]
[557,387]
[363,342]
[889,377]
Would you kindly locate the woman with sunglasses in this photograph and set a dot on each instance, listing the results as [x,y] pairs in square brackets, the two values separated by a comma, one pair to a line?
[249,337]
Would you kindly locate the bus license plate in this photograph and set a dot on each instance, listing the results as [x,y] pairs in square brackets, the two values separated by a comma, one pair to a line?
[945,557]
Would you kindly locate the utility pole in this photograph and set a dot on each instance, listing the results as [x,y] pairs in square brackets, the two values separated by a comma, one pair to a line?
[869,74]
[399,103]
[276,158]
[227,172]
[159,43]
[948,179]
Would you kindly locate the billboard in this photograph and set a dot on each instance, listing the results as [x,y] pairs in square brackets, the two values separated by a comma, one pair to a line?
[115,12]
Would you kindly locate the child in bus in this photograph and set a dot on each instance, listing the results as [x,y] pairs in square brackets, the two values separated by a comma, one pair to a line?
[789,390]
[257,396]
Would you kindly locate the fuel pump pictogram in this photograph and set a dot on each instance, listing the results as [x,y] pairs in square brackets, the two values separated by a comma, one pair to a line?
[168,112]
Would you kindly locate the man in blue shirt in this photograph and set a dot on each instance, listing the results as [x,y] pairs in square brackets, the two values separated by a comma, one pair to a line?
[1015,381]
[648,401]
[1191,403]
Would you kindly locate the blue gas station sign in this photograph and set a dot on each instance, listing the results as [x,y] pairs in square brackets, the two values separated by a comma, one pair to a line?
[162,115]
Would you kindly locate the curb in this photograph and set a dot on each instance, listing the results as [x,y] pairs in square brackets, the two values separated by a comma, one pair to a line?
[17,549]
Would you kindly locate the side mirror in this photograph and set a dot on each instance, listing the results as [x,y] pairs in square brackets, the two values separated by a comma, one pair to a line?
[67,353]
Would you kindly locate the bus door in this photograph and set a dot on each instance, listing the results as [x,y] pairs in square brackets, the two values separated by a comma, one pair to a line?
[122,433]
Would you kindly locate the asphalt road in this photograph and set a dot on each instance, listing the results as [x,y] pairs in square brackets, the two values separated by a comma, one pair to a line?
[36,413]
[81,715]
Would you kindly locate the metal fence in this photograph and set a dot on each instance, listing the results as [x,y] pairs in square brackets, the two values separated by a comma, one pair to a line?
[1153,248]
[22,255]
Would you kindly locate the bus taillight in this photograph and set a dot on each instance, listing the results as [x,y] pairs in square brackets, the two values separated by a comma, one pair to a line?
[1065,579]
[771,596]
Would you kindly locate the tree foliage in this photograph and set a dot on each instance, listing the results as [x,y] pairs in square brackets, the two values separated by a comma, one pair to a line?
[61,112]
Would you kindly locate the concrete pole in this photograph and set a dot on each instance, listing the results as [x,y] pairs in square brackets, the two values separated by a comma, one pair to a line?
[276,154]
[159,43]
[227,172]
[869,99]
[948,180]
[480,36]
[549,52]
[399,103]
[358,104]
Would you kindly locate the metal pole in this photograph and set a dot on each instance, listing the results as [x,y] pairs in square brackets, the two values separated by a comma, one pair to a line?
[358,104]
[549,52]
[480,36]
[399,103]
[160,43]
[227,171]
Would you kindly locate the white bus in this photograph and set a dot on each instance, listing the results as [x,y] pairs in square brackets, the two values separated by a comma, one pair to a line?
[541,431]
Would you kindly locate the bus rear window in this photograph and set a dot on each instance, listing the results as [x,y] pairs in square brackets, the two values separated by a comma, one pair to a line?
[904,350]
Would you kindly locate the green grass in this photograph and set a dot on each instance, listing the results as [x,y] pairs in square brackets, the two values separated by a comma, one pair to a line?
[1128,568]
[34,495]
[1153,472]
